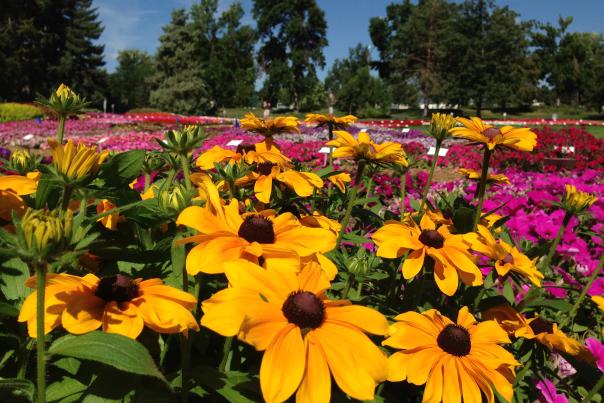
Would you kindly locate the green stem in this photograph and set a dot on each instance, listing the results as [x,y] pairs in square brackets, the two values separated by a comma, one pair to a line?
[349,282]
[594,390]
[368,189]
[67,192]
[403,194]
[61,128]
[482,186]
[559,235]
[24,359]
[586,288]
[351,198]
[147,181]
[432,168]
[40,339]
[115,210]
[186,170]
[226,350]
[331,148]
[185,363]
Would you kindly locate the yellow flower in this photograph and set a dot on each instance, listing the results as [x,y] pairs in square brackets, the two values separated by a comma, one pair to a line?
[440,124]
[340,180]
[521,139]
[109,221]
[65,93]
[305,336]
[507,257]
[253,154]
[117,303]
[302,183]
[364,149]
[330,120]
[452,260]
[76,163]
[454,360]
[491,178]
[226,235]
[537,328]
[576,201]
[12,187]
[270,127]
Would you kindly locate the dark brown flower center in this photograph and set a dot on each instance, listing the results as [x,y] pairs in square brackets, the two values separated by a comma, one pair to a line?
[265,168]
[491,132]
[432,238]
[541,326]
[455,339]
[304,309]
[257,228]
[119,288]
[245,148]
[507,259]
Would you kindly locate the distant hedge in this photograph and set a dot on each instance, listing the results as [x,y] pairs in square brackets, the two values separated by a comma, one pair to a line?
[13,111]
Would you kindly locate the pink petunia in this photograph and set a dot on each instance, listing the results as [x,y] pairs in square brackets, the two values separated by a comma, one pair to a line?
[549,394]
[597,350]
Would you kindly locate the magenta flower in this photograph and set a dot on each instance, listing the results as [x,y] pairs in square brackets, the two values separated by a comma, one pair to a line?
[597,350]
[549,393]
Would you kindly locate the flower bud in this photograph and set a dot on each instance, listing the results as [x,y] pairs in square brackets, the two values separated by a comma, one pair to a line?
[64,101]
[76,162]
[45,231]
[440,124]
[172,201]
[22,161]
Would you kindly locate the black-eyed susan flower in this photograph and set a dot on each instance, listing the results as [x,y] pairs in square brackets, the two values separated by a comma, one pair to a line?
[454,360]
[499,179]
[340,180]
[330,121]
[475,130]
[507,257]
[452,259]
[270,126]
[544,331]
[76,162]
[225,234]
[306,337]
[264,174]
[575,201]
[12,187]
[364,149]
[117,303]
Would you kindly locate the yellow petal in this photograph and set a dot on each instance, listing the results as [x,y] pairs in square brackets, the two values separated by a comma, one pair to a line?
[316,383]
[127,321]
[362,317]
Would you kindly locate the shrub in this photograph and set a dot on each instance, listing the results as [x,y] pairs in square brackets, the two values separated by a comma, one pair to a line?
[14,111]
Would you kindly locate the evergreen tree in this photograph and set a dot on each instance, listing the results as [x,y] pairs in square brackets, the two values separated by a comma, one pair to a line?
[292,35]
[179,78]
[81,60]
[130,84]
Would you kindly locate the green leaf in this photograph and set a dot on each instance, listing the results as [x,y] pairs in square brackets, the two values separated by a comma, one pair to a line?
[123,168]
[557,305]
[463,220]
[13,274]
[115,350]
[508,292]
[47,192]
[16,387]
[7,310]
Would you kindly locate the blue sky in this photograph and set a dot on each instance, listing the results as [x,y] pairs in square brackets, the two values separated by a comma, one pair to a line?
[138,23]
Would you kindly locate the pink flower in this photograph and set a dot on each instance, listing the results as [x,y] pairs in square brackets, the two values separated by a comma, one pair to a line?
[549,393]
[597,350]
[597,288]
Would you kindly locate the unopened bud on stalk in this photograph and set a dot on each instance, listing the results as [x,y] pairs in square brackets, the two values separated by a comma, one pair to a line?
[22,161]
[45,230]
[440,124]
[172,201]
[574,201]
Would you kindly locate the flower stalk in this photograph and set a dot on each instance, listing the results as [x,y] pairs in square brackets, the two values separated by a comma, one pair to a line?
[482,186]
[552,249]
[586,288]
[403,193]
[351,199]
[186,170]
[40,269]
[432,168]
[61,128]
[226,351]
